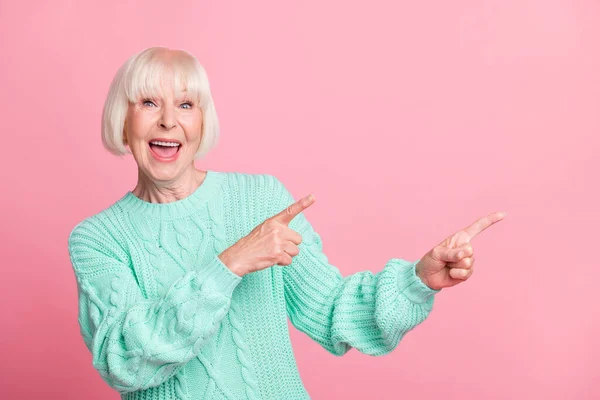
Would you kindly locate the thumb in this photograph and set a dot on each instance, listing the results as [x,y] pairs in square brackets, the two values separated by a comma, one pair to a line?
[290,212]
[447,254]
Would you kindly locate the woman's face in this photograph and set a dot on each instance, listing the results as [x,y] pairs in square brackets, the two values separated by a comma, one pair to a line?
[171,118]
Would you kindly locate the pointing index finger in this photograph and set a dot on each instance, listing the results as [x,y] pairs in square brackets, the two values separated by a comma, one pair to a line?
[290,212]
[483,223]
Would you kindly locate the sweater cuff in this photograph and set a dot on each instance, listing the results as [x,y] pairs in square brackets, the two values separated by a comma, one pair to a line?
[219,276]
[410,285]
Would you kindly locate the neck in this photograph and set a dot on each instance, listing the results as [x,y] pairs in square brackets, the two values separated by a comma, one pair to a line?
[154,191]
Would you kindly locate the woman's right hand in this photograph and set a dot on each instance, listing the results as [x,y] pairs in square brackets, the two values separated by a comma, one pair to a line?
[272,242]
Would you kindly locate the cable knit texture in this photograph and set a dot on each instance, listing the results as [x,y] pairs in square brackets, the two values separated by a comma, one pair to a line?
[164,318]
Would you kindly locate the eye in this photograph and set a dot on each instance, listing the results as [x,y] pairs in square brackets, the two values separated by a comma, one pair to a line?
[189,103]
[147,101]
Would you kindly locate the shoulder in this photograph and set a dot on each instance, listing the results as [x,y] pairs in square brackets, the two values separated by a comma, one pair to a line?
[261,184]
[264,193]
[98,222]
[88,230]
[86,227]
[255,180]
[95,234]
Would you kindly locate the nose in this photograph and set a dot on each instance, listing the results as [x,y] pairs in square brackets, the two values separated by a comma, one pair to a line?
[167,119]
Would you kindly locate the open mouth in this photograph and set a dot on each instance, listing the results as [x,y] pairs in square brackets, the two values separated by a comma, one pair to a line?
[164,149]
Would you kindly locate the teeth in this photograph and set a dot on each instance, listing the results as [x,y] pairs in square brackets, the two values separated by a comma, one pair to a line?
[171,144]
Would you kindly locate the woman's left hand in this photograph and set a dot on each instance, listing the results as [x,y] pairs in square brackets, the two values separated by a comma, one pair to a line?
[451,261]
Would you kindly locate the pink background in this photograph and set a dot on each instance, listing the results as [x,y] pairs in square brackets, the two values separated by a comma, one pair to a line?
[407,121]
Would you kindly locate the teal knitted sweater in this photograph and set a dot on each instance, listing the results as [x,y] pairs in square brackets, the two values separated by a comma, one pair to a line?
[164,318]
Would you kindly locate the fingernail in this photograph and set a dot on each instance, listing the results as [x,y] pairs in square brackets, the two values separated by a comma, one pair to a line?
[461,254]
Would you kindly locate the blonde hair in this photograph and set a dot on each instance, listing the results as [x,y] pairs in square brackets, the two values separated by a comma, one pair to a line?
[140,77]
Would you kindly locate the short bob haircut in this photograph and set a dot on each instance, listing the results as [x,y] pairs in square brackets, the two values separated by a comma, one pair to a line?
[140,77]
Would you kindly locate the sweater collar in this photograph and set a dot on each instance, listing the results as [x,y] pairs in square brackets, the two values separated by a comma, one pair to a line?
[132,204]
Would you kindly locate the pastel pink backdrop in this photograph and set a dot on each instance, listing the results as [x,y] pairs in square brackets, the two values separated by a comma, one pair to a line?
[407,121]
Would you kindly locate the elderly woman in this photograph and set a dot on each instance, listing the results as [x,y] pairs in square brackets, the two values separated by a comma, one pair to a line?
[185,283]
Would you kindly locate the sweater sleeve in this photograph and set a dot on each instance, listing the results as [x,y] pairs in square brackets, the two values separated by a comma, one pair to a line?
[138,343]
[367,311]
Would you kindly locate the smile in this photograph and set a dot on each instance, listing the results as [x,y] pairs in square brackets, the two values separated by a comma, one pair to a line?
[164,152]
